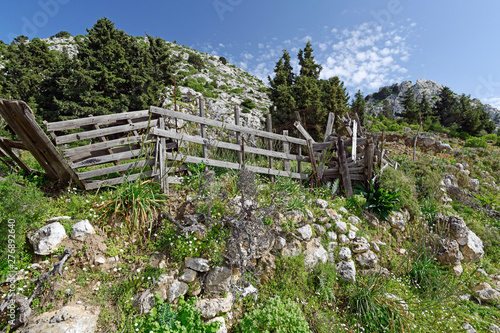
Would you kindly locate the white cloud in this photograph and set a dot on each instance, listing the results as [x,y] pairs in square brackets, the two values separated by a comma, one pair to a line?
[261,46]
[247,56]
[221,45]
[493,101]
[306,39]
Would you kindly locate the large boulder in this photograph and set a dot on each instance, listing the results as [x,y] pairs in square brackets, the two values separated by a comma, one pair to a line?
[74,319]
[47,239]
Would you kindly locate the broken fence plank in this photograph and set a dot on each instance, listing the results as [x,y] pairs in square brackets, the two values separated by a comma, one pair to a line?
[96,120]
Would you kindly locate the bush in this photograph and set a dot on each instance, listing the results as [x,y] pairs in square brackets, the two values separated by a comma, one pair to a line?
[276,315]
[195,60]
[248,103]
[245,110]
[490,137]
[223,60]
[476,142]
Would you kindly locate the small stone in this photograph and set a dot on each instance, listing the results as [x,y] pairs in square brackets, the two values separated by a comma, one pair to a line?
[343,210]
[327,226]
[177,289]
[343,239]
[81,230]
[309,214]
[320,229]
[367,259]
[341,227]
[332,214]
[197,264]
[346,270]
[292,249]
[403,252]
[99,260]
[360,245]
[494,328]
[305,232]
[58,218]
[294,216]
[188,276]
[331,235]
[458,270]
[314,253]
[345,253]
[397,220]
[280,243]
[222,321]
[375,247]
[354,220]
[351,234]
[468,328]
[464,297]
[474,184]
[323,204]
[352,227]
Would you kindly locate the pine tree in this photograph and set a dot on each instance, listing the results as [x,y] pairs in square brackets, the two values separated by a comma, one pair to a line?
[308,67]
[424,108]
[386,109]
[447,108]
[410,112]
[359,106]
[282,92]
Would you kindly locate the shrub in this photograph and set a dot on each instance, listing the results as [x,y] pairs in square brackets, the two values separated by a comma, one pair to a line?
[392,180]
[379,200]
[223,60]
[276,315]
[245,110]
[248,103]
[476,142]
[490,137]
[195,60]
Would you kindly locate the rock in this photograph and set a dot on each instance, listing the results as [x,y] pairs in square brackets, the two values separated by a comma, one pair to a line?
[443,147]
[474,184]
[314,253]
[377,271]
[266,268]
[471,247]
[341,227]
[280,243]
[346,270]
[351,235]
[188,276]
[458,270]
[292,249]
[331,252]
[494,328]
[488,295]
[495,279]
[482,272]
[99,261]
[58,218]
[354,220]
[375,247]
[345,253]
[222,326]
[397,220]
[305,232]
[331,235]
[343,211]
[238,206]
[81,229]
[157,260]
[319,229]
[468,328]
[46,240]
[352,227]
[367,259]
[332,214]
[294,216]
[176,289]
[343,239]
[327,226]
[448,252]
[360,245]
[197,264]
[74,319]
[323,204]
[145,302]
[310,215]
[218,280]
[210,308]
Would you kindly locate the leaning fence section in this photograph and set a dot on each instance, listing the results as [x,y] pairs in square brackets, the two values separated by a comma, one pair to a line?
[247,147]
[108,149]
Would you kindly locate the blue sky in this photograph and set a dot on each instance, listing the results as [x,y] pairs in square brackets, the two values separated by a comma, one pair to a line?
[368,44]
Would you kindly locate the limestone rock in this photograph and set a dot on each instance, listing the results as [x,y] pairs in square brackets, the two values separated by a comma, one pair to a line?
[314,253]
[323,204]
[472,247]
[474,184]
[367,259]
[332,235]
[294,216]
[343,239]
[188,276]
[145,302]
[488,295]
[458,270]
[468,328]
[346,270]
[331,252]
[319,229]
[74,319]
[210,308]
[494,328]
[351,235]
[448,252]
[266,267]
[332,214]
[345,253]
[280,243]
[360,245]
[397,220]
[218,280]
[176,289]
[305,232]
[46,240]
[354,220]
[292,249]
[341,227]
[81,229]
[197,264]
[375,247]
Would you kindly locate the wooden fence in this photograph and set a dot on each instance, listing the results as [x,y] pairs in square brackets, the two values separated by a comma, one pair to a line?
[224,142]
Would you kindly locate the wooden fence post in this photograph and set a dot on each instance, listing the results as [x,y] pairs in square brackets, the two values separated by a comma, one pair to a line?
[238,134]
[203,127]
[343,168]
[369,154]
[163,158]
[299,147]
[270,141]
[286,150]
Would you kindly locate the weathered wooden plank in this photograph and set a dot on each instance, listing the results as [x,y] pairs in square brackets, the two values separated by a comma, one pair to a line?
[344,169]
[354,140]
[103,145]
[235,166]
[97,120]
[329,125]
[313,161]
[105,131]
[14,157]
[203,127]
[286,151]
[94,184]
[270,141]
[14,144]
[110,158]
[327,178]
[228,126]
[336,171]
[163,157]
[225,145]
[303,131]
[238,134]
[348,142]
[117,168]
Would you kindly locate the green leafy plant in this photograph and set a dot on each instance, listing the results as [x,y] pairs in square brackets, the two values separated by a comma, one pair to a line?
[476,142]
[379,200]
[276,315]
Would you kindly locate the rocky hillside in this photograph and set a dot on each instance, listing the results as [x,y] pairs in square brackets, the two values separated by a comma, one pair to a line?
[222,84]
[428,88]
